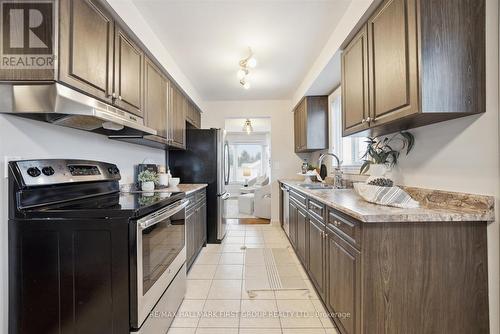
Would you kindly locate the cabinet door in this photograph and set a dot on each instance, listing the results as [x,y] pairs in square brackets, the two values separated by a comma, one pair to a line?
[344,282]
[204,222]
[317,254]
[302,222]
[355,108]
[197,118]
[128,78]
[300,126]
[292,217]
[296,131]
[190,247]
[196,234]
[392,61]
[177,118]
[86,50]
[155,100]
[304,124]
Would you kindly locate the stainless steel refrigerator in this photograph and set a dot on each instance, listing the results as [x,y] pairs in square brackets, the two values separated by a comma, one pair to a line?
[206,160]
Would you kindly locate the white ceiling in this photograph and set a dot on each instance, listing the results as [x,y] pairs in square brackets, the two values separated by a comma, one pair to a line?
[207,38]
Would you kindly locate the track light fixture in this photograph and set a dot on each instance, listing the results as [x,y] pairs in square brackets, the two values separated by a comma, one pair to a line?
[245,65]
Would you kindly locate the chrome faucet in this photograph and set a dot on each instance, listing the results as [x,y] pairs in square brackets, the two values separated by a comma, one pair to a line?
[337,179]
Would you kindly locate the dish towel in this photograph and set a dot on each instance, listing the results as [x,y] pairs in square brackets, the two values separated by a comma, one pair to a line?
[390,196]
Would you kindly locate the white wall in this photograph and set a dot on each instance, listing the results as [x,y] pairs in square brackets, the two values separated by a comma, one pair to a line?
[319,69]
[32,139]
[285,162]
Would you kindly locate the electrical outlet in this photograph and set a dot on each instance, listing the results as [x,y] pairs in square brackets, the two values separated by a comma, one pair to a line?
[6,160]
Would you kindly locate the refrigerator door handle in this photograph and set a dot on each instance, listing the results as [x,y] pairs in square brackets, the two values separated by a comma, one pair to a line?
[227,172]
[225,196]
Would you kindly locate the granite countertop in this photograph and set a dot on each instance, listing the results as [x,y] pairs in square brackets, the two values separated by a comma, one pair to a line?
[187,188]
[434,205]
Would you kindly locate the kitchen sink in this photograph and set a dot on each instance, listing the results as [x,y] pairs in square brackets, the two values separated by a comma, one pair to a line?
[314,186]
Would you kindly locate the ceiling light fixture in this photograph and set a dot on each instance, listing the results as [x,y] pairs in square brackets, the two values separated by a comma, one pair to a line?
[245,65]
[247,126]
[245,83]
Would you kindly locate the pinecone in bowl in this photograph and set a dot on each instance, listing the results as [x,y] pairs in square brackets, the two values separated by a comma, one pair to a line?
[381,182]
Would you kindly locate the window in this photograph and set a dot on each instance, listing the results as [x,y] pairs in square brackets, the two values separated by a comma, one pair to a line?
[247,161]
[348,149]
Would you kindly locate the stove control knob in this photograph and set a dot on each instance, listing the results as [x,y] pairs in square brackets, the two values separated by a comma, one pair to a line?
[113,170]
[33,171]
[48,171]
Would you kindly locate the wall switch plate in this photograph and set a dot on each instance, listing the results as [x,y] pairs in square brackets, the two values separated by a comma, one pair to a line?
[6,160]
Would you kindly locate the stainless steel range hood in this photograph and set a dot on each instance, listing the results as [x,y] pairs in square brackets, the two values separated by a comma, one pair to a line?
[57,104]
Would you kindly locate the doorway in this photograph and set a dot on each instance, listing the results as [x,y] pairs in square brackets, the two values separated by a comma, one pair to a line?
[249,144]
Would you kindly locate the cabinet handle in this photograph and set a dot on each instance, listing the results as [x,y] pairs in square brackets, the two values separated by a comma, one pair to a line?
[363,121]
[119,97]
[336,223]
[368,119]
[113,95]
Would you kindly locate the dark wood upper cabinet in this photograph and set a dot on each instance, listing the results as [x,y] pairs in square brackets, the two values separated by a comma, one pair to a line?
[128,84]
[86,49]
[311,124]
[193,115]
[155,98]
[177,118]
[426,64]
[355,84]
[392,61]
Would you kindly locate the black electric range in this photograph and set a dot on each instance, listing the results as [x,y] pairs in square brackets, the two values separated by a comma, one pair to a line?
[76,188]
[87,257]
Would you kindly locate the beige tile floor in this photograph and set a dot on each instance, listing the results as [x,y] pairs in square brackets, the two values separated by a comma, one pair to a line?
[217,302]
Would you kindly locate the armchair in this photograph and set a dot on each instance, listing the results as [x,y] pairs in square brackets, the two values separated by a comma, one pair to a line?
[262,202]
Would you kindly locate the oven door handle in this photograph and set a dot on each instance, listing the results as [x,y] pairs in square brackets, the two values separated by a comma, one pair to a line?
[157,217]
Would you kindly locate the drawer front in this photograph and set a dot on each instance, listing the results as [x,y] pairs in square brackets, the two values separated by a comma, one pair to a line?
[191,204]
[346,227]
[298,197]
[200,195]
[316,208]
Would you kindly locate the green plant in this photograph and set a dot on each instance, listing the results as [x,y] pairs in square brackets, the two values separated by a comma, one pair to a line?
[148,176]
[384,151]
[311,167]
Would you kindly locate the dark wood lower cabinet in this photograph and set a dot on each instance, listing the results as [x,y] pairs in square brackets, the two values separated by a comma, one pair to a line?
[391,278]
[344,283]
[302,228]
[316,254]
[196,226]
[292,217]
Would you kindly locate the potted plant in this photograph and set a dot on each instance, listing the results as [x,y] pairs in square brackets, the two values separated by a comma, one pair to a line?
[382,154]
[148,180]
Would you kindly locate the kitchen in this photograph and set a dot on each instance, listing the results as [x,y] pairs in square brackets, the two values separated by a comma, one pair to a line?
[459,155]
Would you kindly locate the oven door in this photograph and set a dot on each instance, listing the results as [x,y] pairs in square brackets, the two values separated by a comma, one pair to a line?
[161,253]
